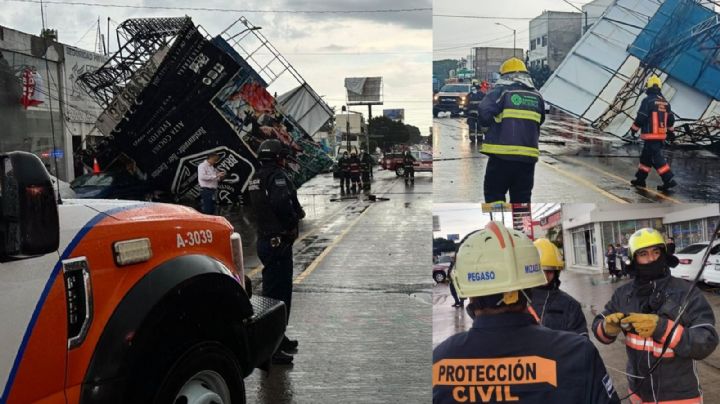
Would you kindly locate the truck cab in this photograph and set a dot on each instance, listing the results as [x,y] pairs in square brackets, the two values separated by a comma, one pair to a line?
[453,98]
[122,301]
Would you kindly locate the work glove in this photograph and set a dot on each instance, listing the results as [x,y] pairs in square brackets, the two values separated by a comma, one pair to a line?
[611,325]
[644,324]
[671,137]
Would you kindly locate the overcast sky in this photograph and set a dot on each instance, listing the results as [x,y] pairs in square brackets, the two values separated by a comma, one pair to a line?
[324,48]
[461,34]
[453,37]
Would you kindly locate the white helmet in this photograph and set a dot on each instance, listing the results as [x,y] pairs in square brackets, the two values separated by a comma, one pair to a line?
[496,260]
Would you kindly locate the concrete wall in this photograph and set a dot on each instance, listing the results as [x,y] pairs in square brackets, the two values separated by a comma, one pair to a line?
[580,215]
[487,61]
[563,30]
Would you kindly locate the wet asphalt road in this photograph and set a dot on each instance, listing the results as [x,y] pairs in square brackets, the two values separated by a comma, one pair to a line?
[593,291]
[577,164]
[361,302]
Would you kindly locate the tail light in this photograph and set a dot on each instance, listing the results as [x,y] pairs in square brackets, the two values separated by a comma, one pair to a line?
[686,261]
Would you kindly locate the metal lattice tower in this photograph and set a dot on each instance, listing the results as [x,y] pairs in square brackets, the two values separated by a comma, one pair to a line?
[142,38]
[667,46]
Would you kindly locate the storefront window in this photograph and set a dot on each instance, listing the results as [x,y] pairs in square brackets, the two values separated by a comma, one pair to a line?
[584,246]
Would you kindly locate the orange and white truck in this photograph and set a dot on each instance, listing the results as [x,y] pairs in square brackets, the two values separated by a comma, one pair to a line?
[122,302]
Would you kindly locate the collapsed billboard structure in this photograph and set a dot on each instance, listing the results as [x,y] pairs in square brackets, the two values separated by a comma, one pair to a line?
[172,94]
[602,79]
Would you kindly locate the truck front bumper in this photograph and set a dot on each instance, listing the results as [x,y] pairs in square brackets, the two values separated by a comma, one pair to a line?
[265,329]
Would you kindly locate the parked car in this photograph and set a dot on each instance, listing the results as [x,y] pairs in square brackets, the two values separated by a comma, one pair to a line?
[112,185]
[690,260]
[394,162]
[440,268]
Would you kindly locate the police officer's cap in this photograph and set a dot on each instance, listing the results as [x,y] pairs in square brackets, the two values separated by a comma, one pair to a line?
[270,149]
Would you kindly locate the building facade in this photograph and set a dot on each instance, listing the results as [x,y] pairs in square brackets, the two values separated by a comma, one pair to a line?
[42,108]
[552,35]
[588,229]
[486,61]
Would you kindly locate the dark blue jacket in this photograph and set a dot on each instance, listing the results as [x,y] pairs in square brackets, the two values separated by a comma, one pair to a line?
[274,199]
[694,339]
[654,119]
[508,357]
[558,310]
[514,114]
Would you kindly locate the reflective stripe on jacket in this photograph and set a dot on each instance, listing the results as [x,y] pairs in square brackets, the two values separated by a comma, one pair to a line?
[514,114]
[694,339]
[654,119]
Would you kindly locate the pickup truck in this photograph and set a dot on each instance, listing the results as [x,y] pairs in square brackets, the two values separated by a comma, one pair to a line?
[452,98]
[394,162]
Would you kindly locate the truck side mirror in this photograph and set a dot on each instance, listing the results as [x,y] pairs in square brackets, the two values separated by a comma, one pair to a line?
[29,223]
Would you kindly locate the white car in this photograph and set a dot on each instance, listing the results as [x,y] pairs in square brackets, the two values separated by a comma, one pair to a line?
[711,275]
[690,260]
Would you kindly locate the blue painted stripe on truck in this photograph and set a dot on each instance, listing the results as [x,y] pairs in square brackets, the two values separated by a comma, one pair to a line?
[43,296]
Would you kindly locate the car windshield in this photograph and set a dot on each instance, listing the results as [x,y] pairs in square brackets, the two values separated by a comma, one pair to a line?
[455,88]
[692,249]
[94,180]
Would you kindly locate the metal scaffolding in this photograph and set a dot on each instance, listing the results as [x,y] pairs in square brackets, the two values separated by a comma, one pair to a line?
[142,38]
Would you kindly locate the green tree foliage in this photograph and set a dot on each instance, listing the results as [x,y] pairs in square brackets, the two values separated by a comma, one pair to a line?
[441,68]
[393,132]
[540,75]
[441,245]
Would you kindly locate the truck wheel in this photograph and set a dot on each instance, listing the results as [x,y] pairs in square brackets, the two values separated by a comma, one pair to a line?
[207,373]
[439,277]
[400,171]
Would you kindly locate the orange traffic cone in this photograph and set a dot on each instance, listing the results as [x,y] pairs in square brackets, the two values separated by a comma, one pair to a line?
[96,167]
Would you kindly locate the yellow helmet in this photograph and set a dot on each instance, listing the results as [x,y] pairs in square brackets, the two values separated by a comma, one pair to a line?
[496,260]
[654,81]
[550,257]
[644,238]
[513,65]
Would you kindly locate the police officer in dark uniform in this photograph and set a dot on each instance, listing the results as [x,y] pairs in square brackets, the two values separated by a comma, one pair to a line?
[655,122]
[506,355]
[278,212]
[513,111]
[552,307]
[409,167]
[344,167]
[354,168]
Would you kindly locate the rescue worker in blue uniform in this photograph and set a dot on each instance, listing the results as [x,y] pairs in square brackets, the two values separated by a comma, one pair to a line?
[655,122]
[278,212]
[354,168]
[513,111]
[506,355]
[476,96]
[645,311]
[365,168]
[344,168]
[409,167]
[550,306]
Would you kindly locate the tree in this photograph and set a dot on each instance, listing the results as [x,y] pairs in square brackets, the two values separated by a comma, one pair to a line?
[540,75]
[394,132]
[441,68]
[441,245]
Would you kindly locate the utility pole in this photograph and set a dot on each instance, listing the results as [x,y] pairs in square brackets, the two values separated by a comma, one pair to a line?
[514,35]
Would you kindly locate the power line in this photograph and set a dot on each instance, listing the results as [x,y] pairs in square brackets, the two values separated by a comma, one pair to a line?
[248,10]
[486,17]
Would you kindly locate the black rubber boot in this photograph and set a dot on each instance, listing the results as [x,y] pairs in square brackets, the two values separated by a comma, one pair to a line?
[666,185]
[638,183]
[281,358]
